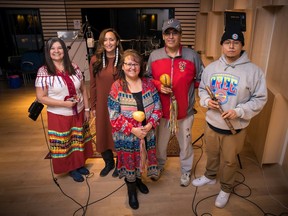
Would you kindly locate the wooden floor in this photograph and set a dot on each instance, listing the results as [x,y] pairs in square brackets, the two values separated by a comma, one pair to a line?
[28,189]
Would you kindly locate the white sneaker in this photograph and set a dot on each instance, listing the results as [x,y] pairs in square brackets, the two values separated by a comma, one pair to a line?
[203,181]
[222,199]
[185,179]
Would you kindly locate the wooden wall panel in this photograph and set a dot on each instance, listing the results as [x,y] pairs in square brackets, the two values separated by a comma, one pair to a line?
[276,135]
[249,29]
[222,5]
[187,16]
[274,2]
[267,131]
[53,21]
[258,128]
[215,28]
[260,39]
[284,158]
[242,4]
[278,59]
[201,29]
[206,6]
[269,38]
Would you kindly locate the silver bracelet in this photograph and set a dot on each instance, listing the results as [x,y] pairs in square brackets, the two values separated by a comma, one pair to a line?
[87,109]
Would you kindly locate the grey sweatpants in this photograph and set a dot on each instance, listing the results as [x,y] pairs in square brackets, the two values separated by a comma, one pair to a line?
[184,139]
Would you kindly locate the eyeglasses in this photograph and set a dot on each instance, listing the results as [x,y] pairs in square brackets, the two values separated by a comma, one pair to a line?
[231,42]
[130,65]
[168,33]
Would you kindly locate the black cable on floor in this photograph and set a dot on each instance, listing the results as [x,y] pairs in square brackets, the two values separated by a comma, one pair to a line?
[238,183]
[241,183]
[195,166]
[194,209]
[96,201]
[84,208]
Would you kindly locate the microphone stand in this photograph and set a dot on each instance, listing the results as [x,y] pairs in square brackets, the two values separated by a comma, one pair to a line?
[71,44]
[76,51]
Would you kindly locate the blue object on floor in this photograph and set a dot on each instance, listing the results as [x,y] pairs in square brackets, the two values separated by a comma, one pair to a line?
[14,81]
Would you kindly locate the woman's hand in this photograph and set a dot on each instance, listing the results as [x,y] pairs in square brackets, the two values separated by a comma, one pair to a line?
[147,127]
[139,132]
[69,104]
[87,116]
[94,112]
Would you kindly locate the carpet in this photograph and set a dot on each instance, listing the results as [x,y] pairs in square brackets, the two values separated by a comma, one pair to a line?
[173,146]
[172,151]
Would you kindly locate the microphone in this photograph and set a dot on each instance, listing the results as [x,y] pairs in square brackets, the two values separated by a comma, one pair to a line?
[89,39]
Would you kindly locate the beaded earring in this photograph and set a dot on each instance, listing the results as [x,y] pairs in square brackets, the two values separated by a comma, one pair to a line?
[103,59]
[116,57]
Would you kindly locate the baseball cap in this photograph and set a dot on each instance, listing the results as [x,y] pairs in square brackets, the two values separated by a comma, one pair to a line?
[172,23]
[232,34]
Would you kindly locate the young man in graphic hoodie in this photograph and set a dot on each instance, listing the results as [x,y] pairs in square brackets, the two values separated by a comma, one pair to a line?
[240,89]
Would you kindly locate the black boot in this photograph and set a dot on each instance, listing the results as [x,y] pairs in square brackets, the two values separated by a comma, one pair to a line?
[141,186]
[132,194]
[115,172]
[109,162]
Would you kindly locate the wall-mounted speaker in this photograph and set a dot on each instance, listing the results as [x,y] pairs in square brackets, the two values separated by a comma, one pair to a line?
[235,20]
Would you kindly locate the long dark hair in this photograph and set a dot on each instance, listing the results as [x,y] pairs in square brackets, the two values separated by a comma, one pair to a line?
[66,60]
[135,56]
[98,65]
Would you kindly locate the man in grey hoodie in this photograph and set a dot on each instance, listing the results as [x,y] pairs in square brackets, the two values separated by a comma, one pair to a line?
[239,88]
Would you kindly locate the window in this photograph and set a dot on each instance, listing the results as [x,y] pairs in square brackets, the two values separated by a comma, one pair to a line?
[25,28]
[139,28]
